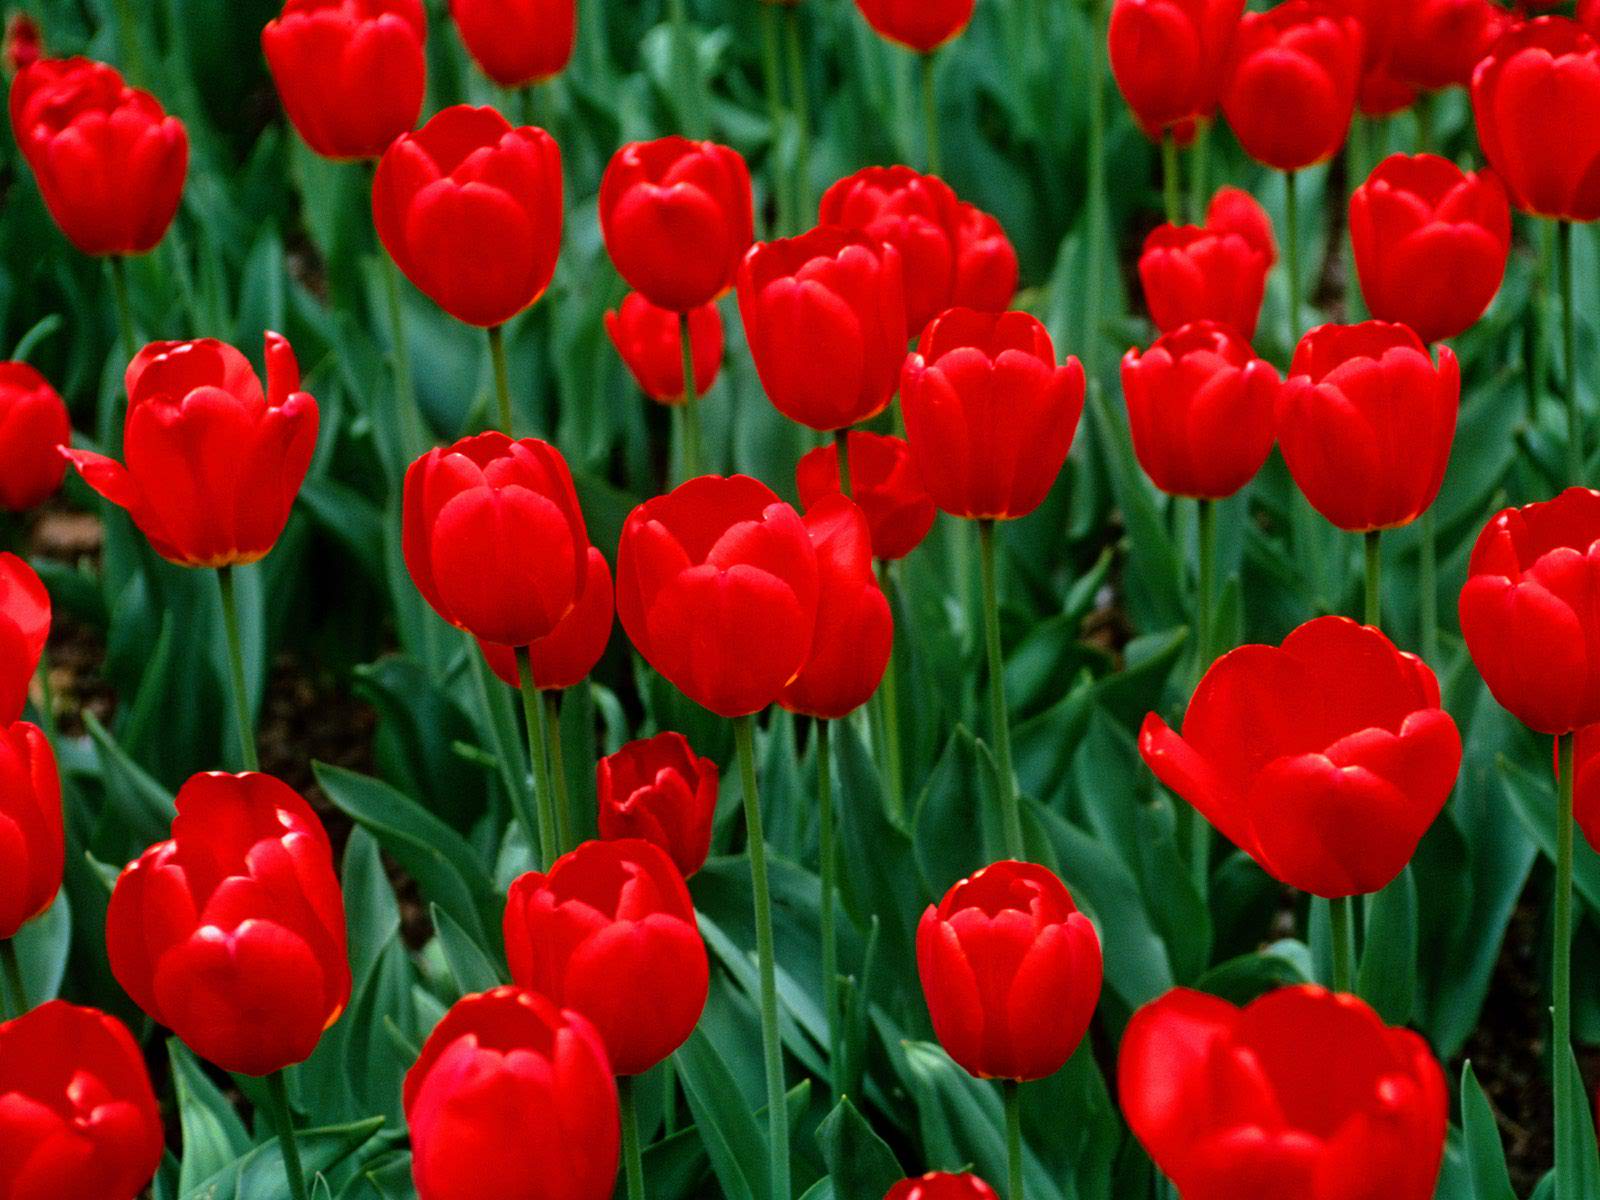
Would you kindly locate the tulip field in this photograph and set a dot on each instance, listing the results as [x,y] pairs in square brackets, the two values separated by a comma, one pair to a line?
[800,600]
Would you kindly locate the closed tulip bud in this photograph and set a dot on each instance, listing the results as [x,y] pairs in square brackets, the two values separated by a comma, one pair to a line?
[1200,409]
[717,589]
[494,538]
[1191,274]
[884,484]
[1437,43]
[1527,612]
[989,415]
[986,263]
[1430,242]
[78,1117]
[1301,1093]
[649,339]
[108,159]
[510,1088]
[1333,799]
[936,1185]
[1547,65]
[677,217]
[1234,210]
[564,657]
[920,25]
[855,631]
[213,462]
[518,43]
[232,932]
[1167,57]
[1011,972]
[1366,422]
[24,630]
[470,209]
[1290,88]
[351,73]
[824,315]
[32,841]
[610,932]
[33,423]
[662,791]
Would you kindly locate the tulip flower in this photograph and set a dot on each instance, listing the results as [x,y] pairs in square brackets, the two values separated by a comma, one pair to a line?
[1437,43]
[1301,1093]
[986,263]
[1233,210]
[518,43]
[32,837]
[1203,274]
[825,317]
[23,43]
[649,342]
[109,161]
[884,484]
[660,790]
[33,423]
[563,658]
[510,1088]
[920,25]
[78,1117]
[1431,243]
[938,1186]
[24,630]
[1380,93]
[1167,57]
[351,73]
[1586,782]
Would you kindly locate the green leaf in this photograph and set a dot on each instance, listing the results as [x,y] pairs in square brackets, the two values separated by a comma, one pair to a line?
[1486,1156]
[859,1162]
[213,1135]
[1387,978]
[259,1174]
[469,966]
[735,1143]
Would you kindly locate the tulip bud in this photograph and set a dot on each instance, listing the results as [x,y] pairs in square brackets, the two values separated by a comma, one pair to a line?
[884,484]
[509,1088]
[1334,801]
[214,464]
[661,791]
[33,423]
[565,656]
[989,415]
[1191,274]
[78,1117]
[1011,972]
[232,933]
[32,841]
[920,25]
[470,209]
[24,629]
[109,161]
[518,43]
[1366,422]
[939,1186]
[986,263]
[1301,1093]
[1167,57]
[649,339]
[1233,210]
[610,932]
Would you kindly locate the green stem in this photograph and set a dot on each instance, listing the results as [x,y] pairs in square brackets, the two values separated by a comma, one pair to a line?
[829,854]
[15,987]
[669,1095]
[1205,647]
[1423,109]
[1292,256]
[241,697]
[414,433]
[1561,985]
[632,1155]
[1428,584]
[1372,613]
[688,70]
[1344,944]
[47,700]
[1095,203]
[772,75]
[119,289]
[558,772]
[930,114]
[691,400]
[888,701]
[1171,188]
[777,1108]
[1011,1091]
[841,441]
[283,1118]
[1569,348]
[802,112]
[533,713]
[1199,172]
[502,379]
[1355,167]
[1010,806]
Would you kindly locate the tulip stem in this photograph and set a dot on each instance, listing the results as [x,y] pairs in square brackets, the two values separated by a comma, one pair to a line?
[1373,611]
[15,987]
[690,450]
[930,113]
[1199,172]
[1428,585]
[686,61]
[538,739]
[802,112]
[829,853]
[1011,1092]
[1344,944]
[1355,170]
[119,289]
[889,708]
[777,1109]
[413,430]
[241,699]
[841,442]
[783,197]
[1010,806]
[502,379]
[1561,986]
[283,1118]
[1291,257]
[1205,642]
[1569,347]
[1171,188]
[558,772]
[632,1157]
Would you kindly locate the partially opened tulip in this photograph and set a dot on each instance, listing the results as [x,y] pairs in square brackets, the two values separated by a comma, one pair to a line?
[920,25]
[986,263]
[1203,274]
[1233,210]
[884,483]
[518,43]
[563,658]
[32,836]
[1167,57]
[937,1185]
[649,342]
[33,424]
[660,790]
[24,630]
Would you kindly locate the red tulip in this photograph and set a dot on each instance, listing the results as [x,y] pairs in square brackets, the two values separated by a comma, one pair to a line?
[23,42]
[884,484]
[78,1117]
[1379,93]
[824,314]
[920,25]
[1589,16]
[232,933]
[649,339]
[610,932]
[939,1186]
[1233,210]
[1191,274]
[1167,57]
[1528,612]
[717,588]
[24,630]
[109,161]
[564,657]
[1302,1093]
[1324,760]
[986,263]
[1430,243]
[494,538]
[1011,972]
[1290,88]
[1541,67]
[1586,783]
[989,415]
[470,209]
[33,422]
[661,791]
[511,1089]
[518,43]
[351,73]
[214,464]
[1437,43]
[32,845]
[677,218]
[855,631]
[1366,421]
[1200,409]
